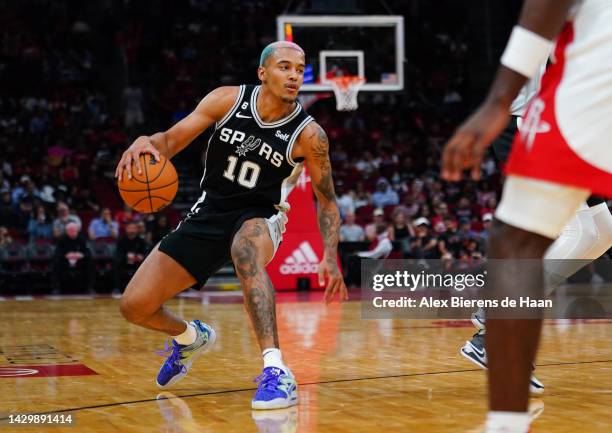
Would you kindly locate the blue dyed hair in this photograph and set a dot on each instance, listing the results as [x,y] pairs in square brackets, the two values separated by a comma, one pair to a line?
[271,49]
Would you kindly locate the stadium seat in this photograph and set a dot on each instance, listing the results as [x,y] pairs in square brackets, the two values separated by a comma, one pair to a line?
[102,250]
[40,255]
[363,214]
[14,258]
[86,217]
[15,252]
[389,211]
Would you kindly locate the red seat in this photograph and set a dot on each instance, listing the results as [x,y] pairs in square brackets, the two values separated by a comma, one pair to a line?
[106,240]
[363,214]
[389,211]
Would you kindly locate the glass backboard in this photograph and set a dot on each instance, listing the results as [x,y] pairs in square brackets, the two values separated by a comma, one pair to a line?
[371,46]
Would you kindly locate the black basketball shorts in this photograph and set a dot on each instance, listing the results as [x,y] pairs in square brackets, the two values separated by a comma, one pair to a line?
[201,243]
[503,143]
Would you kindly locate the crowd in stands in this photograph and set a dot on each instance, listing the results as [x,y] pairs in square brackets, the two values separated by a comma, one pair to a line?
[83,79]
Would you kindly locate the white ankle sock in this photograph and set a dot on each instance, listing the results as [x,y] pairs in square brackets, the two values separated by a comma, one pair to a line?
[272,357]
[507,422]
[188,336]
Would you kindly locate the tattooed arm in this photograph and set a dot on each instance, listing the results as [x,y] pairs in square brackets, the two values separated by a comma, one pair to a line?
[314,147]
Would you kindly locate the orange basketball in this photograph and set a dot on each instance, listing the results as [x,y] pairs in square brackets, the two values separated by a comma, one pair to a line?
[152,190]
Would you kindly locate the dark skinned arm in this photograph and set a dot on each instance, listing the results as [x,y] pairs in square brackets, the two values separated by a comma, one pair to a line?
[467,146]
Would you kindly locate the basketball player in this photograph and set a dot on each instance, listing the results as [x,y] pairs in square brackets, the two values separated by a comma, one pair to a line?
[261,140]
[560,157]
[585,238]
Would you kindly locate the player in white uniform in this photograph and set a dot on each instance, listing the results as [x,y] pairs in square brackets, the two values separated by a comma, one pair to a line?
[560,158]
[585,238]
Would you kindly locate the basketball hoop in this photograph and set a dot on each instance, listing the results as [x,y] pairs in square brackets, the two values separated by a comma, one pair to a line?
[346,88]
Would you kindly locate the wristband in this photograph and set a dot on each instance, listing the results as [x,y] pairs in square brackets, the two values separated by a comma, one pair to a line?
[526,51]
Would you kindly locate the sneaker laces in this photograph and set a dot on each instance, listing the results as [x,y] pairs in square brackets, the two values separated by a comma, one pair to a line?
[268,379]
[175,356]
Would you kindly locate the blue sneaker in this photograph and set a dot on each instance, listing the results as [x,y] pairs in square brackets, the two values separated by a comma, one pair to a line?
[176,366]
[276,390]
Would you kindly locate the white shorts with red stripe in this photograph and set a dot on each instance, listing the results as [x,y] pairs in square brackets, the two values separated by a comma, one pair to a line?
[565,141]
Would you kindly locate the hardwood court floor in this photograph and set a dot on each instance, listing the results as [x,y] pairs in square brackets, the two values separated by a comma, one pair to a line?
[355,375]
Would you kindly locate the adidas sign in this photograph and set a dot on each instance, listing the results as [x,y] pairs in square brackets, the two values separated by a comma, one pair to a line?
[303,260]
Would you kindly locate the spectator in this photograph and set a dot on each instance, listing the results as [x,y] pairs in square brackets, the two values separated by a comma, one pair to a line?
[384,195]
[64,217]
[125,216]
[378,218]
[5,238]
[104,226]
[4,183]
[440,214]
[487,219]
[489,207]
[346,200]
[382,247]
[465,229]
[142,229]
[350,231]
[450,242]
[485,193]
[423,245]
[6,167]
[69,173]
[72,260]
[367,164]
[7,215]
[20,189]
[39,227]
[410,205]
[379,249]
[473,249]
[30,192]
[130,252]
[132,104]
[82,199]
[400,229]
[464,208]
[24,214]
[362,197]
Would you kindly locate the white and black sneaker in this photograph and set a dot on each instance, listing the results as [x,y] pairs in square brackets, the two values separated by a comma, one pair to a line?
[475,351]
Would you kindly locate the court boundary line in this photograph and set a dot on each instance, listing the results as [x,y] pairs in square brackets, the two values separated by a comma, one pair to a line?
[324,382]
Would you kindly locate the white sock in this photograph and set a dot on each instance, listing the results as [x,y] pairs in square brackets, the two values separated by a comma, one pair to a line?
[272,357]
[188,336]
[507,422]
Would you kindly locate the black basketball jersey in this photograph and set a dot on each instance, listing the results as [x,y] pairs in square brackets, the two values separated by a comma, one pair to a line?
[248,161]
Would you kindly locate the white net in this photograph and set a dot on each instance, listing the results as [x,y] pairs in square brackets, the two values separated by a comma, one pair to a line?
[346,90]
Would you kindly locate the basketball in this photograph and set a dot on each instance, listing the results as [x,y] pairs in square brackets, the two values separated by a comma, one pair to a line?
[153,189]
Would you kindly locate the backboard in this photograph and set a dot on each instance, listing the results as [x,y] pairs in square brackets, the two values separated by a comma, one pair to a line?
[371,46]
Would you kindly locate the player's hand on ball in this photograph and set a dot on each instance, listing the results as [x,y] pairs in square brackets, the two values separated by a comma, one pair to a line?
[141,145]
[328,270]
[466,147]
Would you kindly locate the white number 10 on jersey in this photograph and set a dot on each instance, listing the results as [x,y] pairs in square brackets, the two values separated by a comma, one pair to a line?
[248,175]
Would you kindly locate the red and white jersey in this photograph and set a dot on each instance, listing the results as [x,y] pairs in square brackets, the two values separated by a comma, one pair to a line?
[527,93]
[566,133]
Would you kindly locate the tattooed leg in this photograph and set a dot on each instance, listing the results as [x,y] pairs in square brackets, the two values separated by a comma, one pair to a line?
[251,249]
